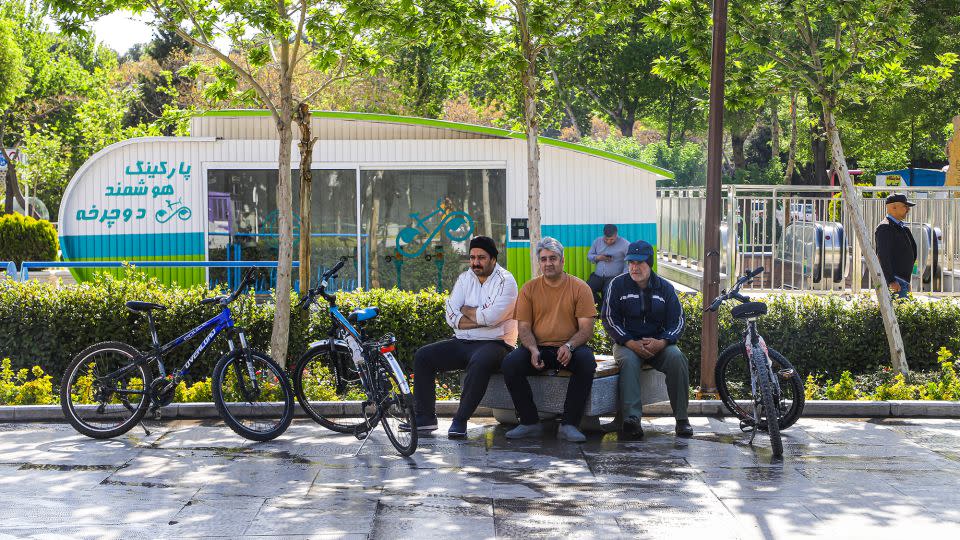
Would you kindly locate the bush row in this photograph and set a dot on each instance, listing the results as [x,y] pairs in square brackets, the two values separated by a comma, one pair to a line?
[43,325]
[23,238]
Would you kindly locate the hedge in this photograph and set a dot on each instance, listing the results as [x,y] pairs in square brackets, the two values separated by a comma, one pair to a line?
[43,325]
[23,238]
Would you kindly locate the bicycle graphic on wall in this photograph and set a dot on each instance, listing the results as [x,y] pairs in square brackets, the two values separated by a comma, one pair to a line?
[456,225]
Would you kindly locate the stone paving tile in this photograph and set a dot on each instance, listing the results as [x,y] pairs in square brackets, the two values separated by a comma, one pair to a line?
[866,479]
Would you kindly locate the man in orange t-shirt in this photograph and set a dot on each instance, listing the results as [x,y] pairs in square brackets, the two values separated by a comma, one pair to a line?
[555,314]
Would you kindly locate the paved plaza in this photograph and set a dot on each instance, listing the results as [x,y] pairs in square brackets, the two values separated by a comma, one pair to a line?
[839,479]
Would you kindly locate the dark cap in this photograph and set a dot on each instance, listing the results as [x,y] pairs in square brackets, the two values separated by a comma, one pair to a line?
[485,243]
[640,251]
[901,198]
[609,230]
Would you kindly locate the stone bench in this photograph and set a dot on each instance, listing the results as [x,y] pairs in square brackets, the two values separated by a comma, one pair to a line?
[549,392]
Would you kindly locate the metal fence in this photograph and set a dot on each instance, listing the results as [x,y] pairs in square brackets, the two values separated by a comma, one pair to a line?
[803,236]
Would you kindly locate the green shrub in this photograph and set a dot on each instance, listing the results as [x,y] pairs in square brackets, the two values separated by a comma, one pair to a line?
[23,238]
[25,387]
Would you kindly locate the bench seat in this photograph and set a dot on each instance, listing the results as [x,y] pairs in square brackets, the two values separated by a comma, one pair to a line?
[549,392]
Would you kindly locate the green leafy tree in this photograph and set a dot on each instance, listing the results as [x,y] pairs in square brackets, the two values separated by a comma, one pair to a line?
[12,69]
[270,44]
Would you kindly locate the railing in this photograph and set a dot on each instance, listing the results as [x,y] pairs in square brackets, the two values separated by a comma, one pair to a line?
[804,237]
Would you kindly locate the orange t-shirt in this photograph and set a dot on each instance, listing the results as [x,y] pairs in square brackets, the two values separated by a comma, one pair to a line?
[553,310]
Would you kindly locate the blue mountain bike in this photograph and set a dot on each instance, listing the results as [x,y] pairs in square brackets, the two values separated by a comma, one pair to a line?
[348,365]
[108,387]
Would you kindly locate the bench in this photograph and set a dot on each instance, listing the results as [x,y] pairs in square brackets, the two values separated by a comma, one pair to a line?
[549,392]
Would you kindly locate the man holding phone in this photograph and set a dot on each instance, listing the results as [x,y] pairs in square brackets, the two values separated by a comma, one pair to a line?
[607,252]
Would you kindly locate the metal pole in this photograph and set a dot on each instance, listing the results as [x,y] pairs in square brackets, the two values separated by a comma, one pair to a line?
[711,243]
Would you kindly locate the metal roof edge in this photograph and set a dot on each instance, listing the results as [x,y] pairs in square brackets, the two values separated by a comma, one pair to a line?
[446,124]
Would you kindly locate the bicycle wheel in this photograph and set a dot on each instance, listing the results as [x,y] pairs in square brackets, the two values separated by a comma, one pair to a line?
[103,393]
[253,397]
[733,383]
[395,407]
[767,408]
[321,376]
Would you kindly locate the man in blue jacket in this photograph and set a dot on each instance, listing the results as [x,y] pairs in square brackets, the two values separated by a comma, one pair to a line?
[642,314]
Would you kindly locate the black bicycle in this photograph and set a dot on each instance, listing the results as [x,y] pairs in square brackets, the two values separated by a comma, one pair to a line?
[750,373]
[349,366]
[108,387]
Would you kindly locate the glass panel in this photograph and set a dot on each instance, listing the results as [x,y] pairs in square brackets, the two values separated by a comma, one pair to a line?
[418,223]
[243,217]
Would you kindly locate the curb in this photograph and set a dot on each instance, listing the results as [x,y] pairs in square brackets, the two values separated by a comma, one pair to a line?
[818,408]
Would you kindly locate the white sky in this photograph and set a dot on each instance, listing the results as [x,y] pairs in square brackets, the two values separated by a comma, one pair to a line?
[122,30]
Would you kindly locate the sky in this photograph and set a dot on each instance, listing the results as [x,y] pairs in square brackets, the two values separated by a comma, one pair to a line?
[122,30]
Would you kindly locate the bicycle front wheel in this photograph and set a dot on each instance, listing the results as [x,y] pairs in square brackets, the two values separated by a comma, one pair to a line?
[733,383]
[322,376]
[253,395]
[396,407]
[103,392]
[766,408]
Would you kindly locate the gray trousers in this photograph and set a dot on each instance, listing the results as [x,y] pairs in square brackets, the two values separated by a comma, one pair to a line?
[671,362]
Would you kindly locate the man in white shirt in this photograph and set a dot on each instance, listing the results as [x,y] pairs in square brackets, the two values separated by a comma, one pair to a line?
[480,311]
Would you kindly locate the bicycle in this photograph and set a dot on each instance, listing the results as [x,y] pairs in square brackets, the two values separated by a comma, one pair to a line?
[456,225]
[349,366]
[109,386]
[759,378]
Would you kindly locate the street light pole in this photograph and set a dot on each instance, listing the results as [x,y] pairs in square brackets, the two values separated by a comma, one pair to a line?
[711,226]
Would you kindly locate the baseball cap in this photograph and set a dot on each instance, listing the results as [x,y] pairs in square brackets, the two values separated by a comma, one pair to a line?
[640,251]
[899,198]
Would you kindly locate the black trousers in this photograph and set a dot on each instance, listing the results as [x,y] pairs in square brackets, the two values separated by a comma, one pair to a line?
[598,284]
[480,359]
[516,368]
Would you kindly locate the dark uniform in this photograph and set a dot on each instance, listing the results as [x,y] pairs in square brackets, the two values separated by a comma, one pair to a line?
[897,251]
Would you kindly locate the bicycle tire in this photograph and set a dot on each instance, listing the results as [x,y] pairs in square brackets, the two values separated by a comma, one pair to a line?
[729,368]
[318,375]
[241,408]
[395,407]
[77,401]
[767,403]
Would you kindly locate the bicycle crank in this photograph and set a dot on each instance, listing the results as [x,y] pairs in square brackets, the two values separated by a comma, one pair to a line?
[786,374]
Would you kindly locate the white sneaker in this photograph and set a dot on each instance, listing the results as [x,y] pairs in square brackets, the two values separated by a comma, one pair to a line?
[523,431]
[570,433]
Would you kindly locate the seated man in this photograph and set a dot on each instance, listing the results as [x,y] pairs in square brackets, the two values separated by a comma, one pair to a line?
[480,311]
[555,314]
[642,313]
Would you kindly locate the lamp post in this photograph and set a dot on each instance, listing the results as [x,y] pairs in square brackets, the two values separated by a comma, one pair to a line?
[711,241]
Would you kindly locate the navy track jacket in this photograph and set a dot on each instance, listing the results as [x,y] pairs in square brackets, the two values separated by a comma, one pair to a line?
[630,312]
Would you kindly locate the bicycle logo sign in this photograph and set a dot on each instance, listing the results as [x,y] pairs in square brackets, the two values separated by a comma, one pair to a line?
[455,225]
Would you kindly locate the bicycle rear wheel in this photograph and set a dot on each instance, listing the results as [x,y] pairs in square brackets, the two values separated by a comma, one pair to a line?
[767,411]
[733,383]
[324,376]
[103,393]
[252,395]
[395,406]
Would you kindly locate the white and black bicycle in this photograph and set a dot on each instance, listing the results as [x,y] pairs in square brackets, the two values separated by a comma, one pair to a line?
[756,383]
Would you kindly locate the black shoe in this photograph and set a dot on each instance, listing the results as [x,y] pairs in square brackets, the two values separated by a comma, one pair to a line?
[458,429]
[425,424]
[684,429]
[631,430]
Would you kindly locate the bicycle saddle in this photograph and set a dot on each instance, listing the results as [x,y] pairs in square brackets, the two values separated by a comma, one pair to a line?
[749,310]
[365,314]
[144,306]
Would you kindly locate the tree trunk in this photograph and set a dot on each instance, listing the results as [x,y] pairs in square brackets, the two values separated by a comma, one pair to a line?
[529,82]
[671,105]
[818,147]
[792,153]
[280,339]
[625,123]
[566,103]
[852,197]
[372,240]
[487,214]
[737,141]
[306,190]
[774,129]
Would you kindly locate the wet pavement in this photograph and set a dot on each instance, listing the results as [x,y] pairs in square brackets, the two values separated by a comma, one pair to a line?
[839,479]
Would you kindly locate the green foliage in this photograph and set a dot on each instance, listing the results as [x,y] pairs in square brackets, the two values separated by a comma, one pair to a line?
[25,387]
[11,65]
[23,238]
[47,171]
[843,389]
[688,161]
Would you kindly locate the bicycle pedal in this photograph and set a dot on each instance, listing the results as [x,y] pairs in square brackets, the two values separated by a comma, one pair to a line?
[786,374]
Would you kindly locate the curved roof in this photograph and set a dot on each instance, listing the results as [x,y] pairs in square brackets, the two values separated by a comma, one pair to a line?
[470,128]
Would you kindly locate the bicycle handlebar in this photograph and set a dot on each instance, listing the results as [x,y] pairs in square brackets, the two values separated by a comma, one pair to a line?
[735,291]
[321,289]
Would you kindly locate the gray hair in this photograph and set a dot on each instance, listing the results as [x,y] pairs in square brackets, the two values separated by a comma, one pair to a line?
[550,243]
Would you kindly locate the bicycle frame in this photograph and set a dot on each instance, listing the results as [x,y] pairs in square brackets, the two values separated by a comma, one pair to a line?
[354,341]
[751,341]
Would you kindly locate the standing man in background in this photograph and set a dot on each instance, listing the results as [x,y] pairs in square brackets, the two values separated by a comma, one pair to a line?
[896,248]
[607,252]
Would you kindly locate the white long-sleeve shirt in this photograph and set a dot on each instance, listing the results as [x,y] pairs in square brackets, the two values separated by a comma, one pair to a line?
[494,299]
